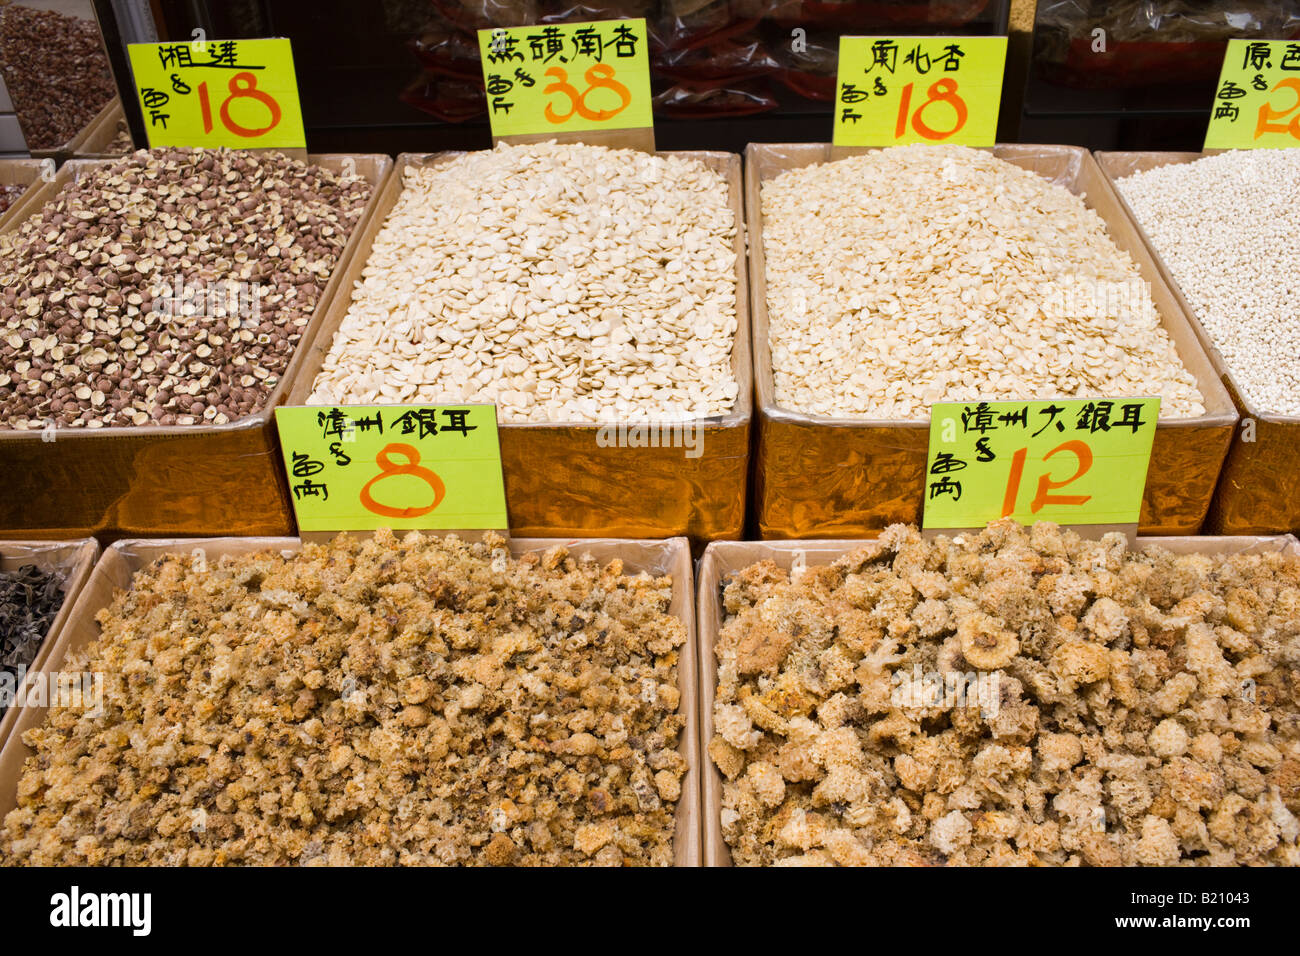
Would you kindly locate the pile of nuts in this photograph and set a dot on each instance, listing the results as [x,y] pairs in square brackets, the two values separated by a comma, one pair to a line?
[56,71]
[919,274]
[372,702]
[93,331]
[1226,226]
[565,283]
[9,194]
[1015,697]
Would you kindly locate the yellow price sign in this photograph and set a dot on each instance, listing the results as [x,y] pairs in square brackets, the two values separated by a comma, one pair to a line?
[237,93]
[895,90]
[1257,101]
[361,467]
[567,77]
[1069,460]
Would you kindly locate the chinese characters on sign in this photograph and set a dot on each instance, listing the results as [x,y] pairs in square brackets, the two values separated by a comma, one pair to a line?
[1072,461]
[237,93]
[362,467]
[1257,101]
[895,90]
[566,77]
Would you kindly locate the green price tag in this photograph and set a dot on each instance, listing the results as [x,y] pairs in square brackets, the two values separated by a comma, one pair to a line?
[1257,101]
[896,90]
[237,93]
[1069,460]
[362,467]
[567,77]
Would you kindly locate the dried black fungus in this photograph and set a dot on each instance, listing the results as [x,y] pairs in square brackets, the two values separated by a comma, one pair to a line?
[29,600]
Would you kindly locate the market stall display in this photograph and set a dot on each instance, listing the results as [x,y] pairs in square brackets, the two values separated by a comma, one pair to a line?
[850,351]
[17,178]
[56,72]
[107,136]
[1232,267]
[425,700]
[167,333]
[597,296]
[39,581]
[1013,696]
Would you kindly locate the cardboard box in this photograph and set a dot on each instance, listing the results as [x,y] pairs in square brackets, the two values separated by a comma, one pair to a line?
[559,481]
[75,559]
[818,476]
[123,559]
[162,480]
[21,172]
[92,142]
[723,558]
[1256,491]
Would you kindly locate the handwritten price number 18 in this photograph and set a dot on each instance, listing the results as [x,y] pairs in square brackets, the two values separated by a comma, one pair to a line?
[1267,114]
[940,91]
[599,76]
[241,86]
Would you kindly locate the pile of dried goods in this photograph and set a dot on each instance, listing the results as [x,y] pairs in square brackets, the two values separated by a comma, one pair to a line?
[563,283]
[9,195]
[29,600]
[919,274]
[167,288]
[377,702]
[56,71]
[1226,226]
[1012,697]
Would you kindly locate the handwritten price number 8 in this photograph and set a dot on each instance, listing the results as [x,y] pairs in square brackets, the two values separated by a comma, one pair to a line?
[242,86]
[1081,452]
[1267,114]
[600,76]
[940,91]
[388,468]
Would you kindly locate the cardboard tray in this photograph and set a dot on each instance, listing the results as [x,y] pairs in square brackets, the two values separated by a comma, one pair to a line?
[22,172]
[92,142]
[724,558]
[163,480]
[123,559]
[823,477]
[76,559]
[1256,492]
[559,482]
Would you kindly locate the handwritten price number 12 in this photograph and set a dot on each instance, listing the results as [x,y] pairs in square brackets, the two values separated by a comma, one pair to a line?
[1267,114]
[599,76]
[1083,455]
[940,91]
[242,85]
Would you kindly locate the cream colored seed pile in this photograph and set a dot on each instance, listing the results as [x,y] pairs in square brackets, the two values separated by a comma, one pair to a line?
[563,283]
[1228,226]
[917,274]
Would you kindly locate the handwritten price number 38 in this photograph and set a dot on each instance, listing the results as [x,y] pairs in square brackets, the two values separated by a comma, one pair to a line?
[598,77]
[242,85]
[940,91]
[1083,456]
[1267,114]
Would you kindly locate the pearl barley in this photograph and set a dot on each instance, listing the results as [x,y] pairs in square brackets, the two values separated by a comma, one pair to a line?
[1228,227]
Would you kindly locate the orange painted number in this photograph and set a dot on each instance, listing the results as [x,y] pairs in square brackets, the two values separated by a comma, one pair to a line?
[1267,114]
[940,91]
[599,76]
[1044,497]
[388,468]
[242,86]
